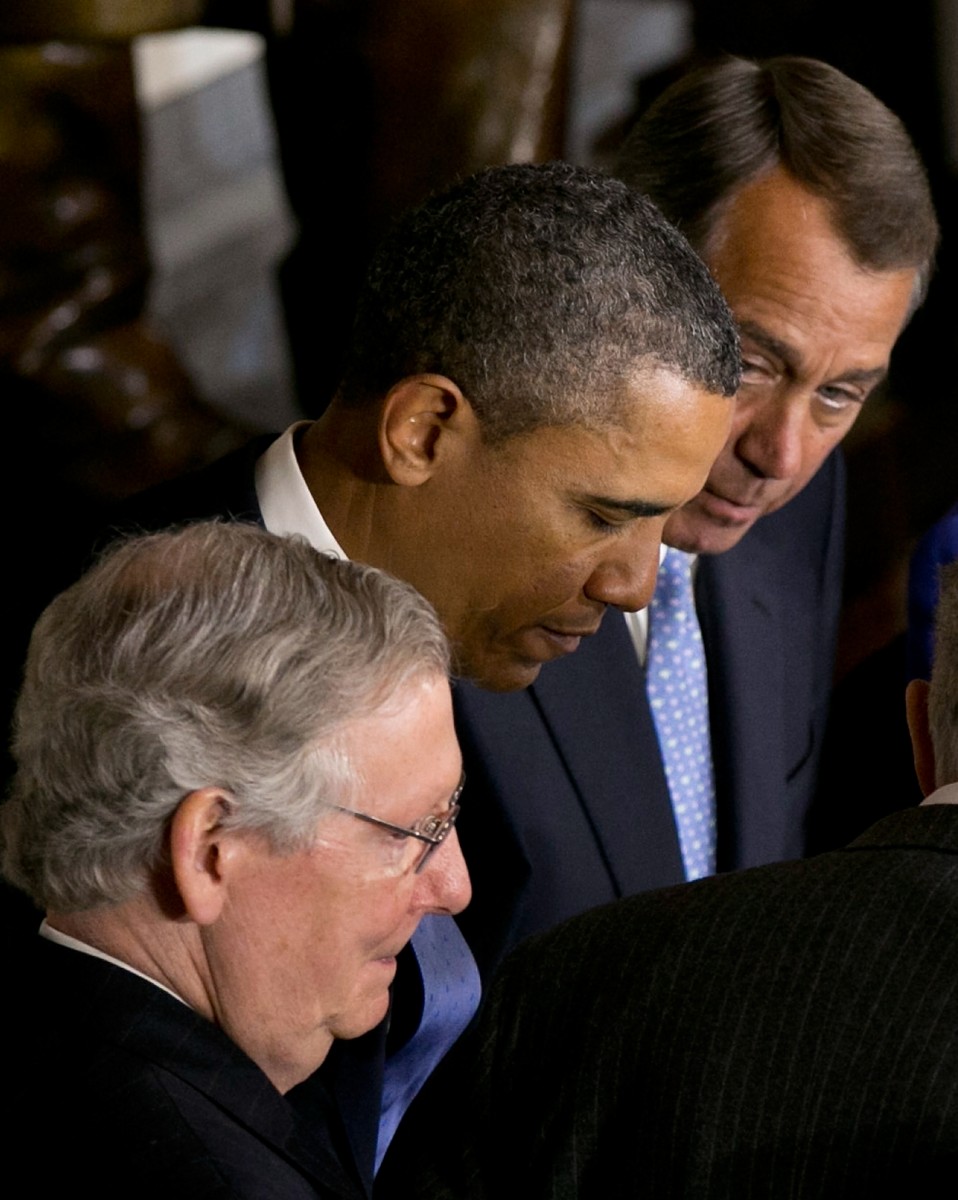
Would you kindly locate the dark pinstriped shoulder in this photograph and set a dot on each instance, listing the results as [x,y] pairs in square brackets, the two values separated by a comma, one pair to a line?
[928,826]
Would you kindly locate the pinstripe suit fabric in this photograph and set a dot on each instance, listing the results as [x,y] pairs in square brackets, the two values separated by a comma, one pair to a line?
[789,1031]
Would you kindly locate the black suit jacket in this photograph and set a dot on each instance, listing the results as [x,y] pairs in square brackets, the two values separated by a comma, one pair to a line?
[567,806]
[134,1094]
[790,1031]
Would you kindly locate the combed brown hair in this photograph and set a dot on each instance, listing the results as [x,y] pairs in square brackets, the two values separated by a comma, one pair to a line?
[734,120]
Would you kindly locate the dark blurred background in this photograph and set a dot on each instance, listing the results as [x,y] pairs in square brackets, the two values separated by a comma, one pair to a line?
[188,199]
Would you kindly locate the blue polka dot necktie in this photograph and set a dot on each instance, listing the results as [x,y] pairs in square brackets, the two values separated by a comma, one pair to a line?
[677,686]
[451,991]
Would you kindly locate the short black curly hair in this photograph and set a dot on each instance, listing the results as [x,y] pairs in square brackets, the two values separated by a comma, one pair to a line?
[538,290]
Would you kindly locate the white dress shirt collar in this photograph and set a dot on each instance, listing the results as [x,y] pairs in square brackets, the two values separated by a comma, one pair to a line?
[637,623]
[947,794]
[286,503]
[71,943]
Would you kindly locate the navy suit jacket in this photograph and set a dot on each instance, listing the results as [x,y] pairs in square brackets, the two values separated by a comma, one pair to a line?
[567,806]
[137,1095]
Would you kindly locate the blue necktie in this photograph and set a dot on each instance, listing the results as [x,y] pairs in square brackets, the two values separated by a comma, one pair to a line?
[451,990]
[677,687]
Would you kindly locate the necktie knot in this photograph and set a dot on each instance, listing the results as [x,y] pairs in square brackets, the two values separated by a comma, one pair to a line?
[673,585]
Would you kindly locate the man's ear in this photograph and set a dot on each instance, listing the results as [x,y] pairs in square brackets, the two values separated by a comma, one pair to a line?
[200,852]
[916,710]
[420,417]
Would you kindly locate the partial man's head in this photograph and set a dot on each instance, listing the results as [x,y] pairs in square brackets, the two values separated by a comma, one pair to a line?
[235,763]
[933,708]
[808,201]
[544,364]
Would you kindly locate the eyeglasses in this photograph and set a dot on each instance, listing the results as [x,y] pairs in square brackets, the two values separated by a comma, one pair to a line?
[433,830]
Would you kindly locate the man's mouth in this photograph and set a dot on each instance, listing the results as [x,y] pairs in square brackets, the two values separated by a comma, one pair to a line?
[731,508]
[565,641]
[581,632]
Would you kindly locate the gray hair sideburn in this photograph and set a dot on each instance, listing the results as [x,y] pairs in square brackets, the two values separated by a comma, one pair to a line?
[215,655]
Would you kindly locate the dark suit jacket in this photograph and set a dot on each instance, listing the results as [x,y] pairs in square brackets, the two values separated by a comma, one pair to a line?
[790,1031]
[567,807]
[131,1093]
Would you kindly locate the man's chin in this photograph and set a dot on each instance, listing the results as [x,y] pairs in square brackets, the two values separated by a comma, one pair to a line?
[365,1016]
[698,533]
[506,675]
[517,663]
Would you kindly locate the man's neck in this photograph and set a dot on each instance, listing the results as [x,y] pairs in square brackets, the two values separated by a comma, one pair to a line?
[330,457]
[369,516]
[137,936]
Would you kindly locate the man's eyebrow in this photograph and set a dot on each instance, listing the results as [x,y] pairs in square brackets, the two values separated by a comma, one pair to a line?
[788,354]
[792,359]
[631,508]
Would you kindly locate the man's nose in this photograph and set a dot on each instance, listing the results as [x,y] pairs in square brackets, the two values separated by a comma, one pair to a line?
[443,884]
[626,580]
[770,444]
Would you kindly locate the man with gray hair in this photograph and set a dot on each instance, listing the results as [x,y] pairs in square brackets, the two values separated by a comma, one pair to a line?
[236,784]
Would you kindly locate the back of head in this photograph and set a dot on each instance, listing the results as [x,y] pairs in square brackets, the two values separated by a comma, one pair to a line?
[218,655]
[537,290]
[727,123]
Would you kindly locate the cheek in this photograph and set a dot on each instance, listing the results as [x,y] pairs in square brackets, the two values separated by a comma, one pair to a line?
[549,584]
[383,912]
[818,443]
[726,461]
[530,584]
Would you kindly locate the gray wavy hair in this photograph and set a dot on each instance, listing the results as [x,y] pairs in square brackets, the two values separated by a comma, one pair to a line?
[215,655]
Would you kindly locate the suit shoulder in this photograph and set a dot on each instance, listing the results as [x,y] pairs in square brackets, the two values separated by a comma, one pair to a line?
[114,1127]
[224,489]
[124,1125]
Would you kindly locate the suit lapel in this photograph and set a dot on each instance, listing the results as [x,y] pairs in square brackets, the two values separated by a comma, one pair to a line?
[113,1006]
[607,750]
[742,628]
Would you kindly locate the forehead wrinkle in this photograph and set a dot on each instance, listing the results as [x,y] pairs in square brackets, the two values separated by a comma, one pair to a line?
[793,358]
[788,353]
